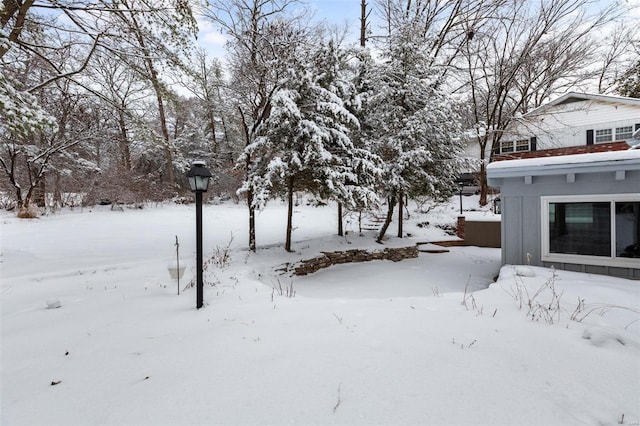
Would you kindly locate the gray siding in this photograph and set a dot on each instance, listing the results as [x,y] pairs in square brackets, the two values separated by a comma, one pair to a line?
[521,214]
[585,184]
[511,229]
[530,233]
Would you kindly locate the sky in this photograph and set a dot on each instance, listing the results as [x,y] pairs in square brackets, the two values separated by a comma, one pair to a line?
[332,11]
[341,11]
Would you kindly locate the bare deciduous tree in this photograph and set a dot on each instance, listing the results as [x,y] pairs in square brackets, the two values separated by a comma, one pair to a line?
[524,55]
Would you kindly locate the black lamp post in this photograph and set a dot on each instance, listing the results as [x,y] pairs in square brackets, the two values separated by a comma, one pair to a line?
[199,182]
[460,188]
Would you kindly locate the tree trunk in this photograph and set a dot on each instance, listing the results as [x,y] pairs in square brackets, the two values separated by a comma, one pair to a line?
[391,204]
[157,88]
[363,22]
[252,221]
[17,10]
[400,212]
[483,173]
[247,170]
[27,199]
[19,202]
[57,194]
[125,152]
[212,125]
[484,186]
[340,230]
[287,244]
[34,182]
[39,193]
[168,154]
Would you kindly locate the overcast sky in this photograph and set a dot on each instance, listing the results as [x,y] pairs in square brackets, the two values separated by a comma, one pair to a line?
[341,11]
[332,11]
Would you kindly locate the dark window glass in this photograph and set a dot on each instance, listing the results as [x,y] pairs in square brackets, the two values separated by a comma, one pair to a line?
[580,228]
[628,229]
[506,146]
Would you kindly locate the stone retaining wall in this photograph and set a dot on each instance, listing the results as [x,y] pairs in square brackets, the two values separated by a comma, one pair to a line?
[327,259]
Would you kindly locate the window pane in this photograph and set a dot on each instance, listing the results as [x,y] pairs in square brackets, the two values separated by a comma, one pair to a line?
[506,146]
[604,135]
[628,229]
[624,133]
[580,228]
[522,145]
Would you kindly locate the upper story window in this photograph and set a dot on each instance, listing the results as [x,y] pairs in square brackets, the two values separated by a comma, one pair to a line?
[604,135]
[611,135]
[506,146]
[623,133]
[514,146]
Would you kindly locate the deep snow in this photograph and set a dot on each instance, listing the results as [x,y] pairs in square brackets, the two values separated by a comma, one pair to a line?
[373,343]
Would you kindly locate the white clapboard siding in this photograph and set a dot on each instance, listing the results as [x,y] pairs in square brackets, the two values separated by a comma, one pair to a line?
[566,125]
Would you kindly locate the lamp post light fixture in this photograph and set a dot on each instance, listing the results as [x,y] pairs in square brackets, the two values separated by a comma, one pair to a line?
[199,177]
[497,205]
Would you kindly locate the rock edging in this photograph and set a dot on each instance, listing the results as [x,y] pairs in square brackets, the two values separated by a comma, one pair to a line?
[327,259]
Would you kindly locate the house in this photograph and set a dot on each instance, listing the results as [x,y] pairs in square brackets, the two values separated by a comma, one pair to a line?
[570,190]
[573,123]
[578,212]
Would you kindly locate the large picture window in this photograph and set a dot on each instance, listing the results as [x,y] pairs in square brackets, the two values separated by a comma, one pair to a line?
[580,228]
[603,228]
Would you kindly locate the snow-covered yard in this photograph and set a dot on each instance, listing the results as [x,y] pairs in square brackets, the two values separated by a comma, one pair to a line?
[430,341]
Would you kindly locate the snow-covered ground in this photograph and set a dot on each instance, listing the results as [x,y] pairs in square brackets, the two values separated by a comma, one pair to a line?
[430,341]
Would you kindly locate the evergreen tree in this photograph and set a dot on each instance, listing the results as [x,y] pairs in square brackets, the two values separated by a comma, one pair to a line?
[359,167]
[629,82]
[414,124]
[365,164]
[305,143]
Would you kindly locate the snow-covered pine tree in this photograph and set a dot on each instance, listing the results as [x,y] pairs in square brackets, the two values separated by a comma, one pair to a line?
[359,168]
[306,137]
[22,117]
[366,165]
[263,35]
[413,123]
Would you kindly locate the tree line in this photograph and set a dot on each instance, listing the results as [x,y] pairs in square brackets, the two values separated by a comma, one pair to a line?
[114,100]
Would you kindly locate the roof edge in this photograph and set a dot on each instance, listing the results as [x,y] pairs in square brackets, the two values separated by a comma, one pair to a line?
[587,163]
[582,96]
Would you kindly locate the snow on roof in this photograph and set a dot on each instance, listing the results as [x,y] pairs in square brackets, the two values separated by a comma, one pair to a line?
[598,161]
[579,97]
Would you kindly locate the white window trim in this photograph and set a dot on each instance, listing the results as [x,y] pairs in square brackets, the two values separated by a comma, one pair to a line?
[612,260]
[617,137]
[502,146]
[513,144]
[611,135]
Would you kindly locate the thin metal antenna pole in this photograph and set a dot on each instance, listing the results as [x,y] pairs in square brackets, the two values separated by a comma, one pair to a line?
[178,262]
